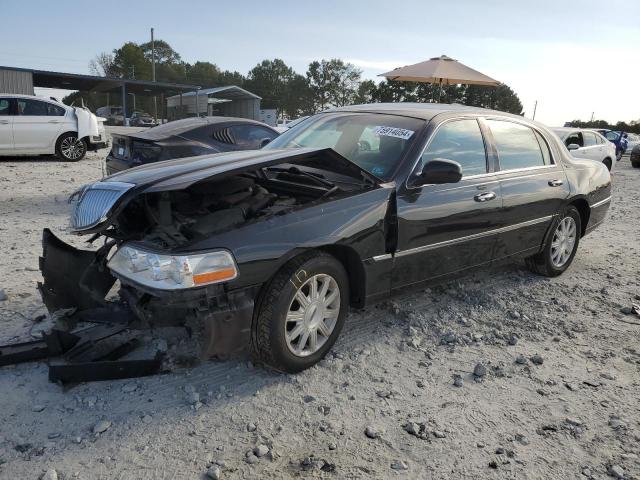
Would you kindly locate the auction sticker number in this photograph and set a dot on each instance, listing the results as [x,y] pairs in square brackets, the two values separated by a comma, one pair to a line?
[393,132]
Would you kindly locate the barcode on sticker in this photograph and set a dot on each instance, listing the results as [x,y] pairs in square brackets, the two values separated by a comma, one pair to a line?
[393,132]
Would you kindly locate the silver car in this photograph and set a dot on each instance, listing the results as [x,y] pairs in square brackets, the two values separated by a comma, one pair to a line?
[585,143]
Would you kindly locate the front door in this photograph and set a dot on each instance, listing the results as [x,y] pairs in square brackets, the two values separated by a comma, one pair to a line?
[6,125]
[534,187]
[36,127]
[449,227]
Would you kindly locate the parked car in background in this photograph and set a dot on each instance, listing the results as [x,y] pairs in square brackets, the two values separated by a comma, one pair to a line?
[38,126]
[270,248]
[618,138]
[186,138]
[112,115]
[635,156]
[632,140]
[584,143]
[141,119]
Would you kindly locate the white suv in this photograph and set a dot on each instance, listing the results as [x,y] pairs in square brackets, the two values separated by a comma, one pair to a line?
[37,126]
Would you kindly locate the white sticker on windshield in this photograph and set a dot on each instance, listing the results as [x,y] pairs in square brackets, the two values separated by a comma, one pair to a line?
[393,132]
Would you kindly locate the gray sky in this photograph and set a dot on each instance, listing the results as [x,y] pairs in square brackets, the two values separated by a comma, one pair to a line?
[574,57]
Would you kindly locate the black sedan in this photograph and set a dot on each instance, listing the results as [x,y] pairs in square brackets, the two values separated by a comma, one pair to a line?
[271,248]
[187,138]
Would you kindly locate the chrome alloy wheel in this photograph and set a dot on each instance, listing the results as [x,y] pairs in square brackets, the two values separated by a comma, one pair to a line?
[564,239]
[312,315]
[72,148]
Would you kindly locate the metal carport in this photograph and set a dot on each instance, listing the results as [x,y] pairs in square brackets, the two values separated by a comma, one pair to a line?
[21,80]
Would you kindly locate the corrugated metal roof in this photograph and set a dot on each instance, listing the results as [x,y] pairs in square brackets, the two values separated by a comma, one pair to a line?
[229,90]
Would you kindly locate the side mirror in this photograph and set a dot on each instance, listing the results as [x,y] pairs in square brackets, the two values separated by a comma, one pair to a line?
[573,146]
[264,141]
[441,170]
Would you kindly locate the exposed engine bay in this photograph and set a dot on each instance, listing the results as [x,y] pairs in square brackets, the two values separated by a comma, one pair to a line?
[170,218]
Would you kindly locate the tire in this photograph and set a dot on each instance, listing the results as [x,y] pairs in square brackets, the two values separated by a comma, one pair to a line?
[544,263]
[70,148]
[607,162]
[635,164]
[269,342]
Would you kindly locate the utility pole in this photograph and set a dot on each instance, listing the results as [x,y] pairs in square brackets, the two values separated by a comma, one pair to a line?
[535,107]
[153,74]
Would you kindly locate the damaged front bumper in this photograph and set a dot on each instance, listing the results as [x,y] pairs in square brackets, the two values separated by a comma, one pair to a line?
[78,282]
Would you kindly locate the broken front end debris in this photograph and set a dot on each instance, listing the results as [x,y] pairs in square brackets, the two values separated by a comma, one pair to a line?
[176,237]
[96,334]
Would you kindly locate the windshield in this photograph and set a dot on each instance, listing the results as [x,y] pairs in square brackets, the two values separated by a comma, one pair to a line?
[374,142]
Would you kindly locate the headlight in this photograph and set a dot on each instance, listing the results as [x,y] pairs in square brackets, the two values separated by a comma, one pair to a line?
[173,272]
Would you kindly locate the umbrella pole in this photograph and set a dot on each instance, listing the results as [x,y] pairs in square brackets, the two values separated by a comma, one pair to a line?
[439,90]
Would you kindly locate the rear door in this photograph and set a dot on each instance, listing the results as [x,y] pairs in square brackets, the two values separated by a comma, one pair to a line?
[6,125]
[36,126]
[446,228]
[534,187]
[591,148]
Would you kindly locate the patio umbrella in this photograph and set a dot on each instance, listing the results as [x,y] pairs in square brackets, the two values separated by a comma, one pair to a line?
[440,70]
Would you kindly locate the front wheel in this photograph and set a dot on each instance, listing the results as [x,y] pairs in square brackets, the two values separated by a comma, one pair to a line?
[560,247]
[607,163]
[301,313]
[71,148]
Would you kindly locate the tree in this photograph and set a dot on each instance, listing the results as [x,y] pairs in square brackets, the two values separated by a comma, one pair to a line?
[202,73]
[129,62]
[298,100]
[366,92]
[395,91]
[333,82]
[501,98]
[102,65]
[163,52]
[270,79]
[345,82]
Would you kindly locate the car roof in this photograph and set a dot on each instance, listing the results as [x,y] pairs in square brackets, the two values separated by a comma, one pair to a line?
[425,111]
[32,97]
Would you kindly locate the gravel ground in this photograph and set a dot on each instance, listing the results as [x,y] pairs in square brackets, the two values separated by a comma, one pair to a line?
[503,374]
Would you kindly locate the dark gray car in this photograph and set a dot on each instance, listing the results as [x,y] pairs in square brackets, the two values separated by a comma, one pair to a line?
[187,138]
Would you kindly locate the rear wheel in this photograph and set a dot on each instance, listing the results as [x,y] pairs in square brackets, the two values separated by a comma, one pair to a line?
[71,148]
[560,247]
[607,162]
[301,313]
[635,164]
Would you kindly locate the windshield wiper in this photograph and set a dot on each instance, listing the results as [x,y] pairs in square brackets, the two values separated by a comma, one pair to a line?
[320,180]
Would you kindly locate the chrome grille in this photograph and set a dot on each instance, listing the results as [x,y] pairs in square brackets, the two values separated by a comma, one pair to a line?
[94,202]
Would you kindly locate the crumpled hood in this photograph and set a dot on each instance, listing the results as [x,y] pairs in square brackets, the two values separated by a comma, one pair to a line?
[96,204]
[182,172]
[87,123]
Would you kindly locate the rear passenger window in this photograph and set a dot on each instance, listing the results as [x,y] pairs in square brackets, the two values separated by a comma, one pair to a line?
[5,106]
[55,110]
[517,145]
[460,141]
[589,139]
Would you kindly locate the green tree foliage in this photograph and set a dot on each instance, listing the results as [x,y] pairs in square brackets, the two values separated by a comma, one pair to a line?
[333,83]
[631,127]
[270,80]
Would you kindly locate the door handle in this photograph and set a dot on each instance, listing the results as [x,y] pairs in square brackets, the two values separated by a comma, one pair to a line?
[54,121]
[555,183]
[484,197]
[4,122]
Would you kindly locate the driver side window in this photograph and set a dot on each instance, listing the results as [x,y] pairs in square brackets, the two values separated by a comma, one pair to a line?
[460,141]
